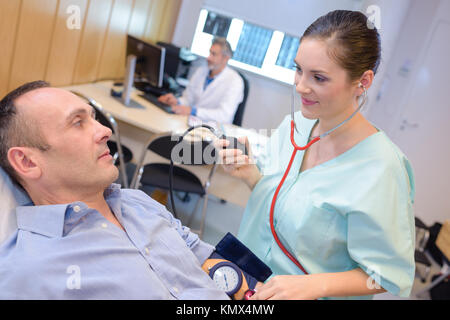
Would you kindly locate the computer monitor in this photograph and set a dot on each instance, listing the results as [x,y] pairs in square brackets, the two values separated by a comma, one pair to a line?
[150,59]
[172,59]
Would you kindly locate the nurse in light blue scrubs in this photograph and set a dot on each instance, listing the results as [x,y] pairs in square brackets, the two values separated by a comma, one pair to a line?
[345,210]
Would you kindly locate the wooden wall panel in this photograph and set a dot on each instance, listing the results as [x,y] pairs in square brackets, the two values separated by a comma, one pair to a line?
[155,18]
[9,17]
[94,31]
[34,36]
[36,43]
[139,18]
[65,44]
[112,62]
[167,25]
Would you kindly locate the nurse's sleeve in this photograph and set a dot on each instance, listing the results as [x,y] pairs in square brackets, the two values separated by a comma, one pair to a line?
[381,232]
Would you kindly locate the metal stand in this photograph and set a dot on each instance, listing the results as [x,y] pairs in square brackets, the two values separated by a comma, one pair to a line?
[129,79]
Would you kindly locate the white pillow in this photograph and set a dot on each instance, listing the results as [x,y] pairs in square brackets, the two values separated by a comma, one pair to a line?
[11,196]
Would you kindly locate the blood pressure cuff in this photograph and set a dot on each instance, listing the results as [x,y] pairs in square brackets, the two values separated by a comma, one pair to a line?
[231,249]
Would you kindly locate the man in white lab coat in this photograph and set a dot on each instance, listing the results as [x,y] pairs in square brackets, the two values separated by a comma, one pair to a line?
[213,92]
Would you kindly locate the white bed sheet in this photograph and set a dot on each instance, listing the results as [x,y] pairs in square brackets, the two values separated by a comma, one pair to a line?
[11,196]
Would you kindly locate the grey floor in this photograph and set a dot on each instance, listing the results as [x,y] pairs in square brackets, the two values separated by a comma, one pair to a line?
[225,217]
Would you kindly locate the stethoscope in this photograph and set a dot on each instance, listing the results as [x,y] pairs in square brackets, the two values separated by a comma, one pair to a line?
[298,148]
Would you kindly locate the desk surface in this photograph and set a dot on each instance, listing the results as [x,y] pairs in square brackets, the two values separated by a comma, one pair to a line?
[149,117]
[137,125]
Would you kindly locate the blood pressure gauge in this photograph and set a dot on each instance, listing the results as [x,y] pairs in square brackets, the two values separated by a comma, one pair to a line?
[227,277]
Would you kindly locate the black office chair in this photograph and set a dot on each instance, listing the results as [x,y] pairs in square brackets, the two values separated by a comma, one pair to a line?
[239,115]
[422,236]
[121,154]
[438,289]
[157,174]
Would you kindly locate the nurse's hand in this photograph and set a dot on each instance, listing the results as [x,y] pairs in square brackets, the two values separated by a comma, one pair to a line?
[238,164]
[288,287]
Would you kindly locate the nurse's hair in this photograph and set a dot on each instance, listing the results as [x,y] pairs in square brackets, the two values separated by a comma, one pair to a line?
[353,42]
[17,130]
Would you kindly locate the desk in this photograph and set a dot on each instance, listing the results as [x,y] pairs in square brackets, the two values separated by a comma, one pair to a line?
[137,125]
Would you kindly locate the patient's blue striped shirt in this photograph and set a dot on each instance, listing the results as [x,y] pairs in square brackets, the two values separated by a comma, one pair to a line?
[71,251]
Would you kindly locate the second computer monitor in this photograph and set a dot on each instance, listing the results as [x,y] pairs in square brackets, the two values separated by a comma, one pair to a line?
[150,60]
[172,59]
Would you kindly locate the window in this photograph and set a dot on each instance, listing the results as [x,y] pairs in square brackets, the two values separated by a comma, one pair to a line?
[252,45]
[217,25]
[288,52]
[257,49]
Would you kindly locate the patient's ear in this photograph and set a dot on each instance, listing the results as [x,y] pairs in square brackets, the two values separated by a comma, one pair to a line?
[23,160]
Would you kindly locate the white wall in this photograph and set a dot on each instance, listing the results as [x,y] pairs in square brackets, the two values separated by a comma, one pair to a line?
[392,85]
[269,100]
[187,22]
[424,140]
[392,18]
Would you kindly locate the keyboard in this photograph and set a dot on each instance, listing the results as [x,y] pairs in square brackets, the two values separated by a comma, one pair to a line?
[154,100]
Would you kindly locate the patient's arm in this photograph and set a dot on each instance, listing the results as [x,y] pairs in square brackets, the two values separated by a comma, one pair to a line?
[209,263]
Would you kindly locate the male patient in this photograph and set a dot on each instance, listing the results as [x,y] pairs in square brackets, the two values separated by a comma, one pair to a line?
[214,92]
[84,237]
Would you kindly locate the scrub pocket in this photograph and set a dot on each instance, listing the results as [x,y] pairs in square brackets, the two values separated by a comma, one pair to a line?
[305,231]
